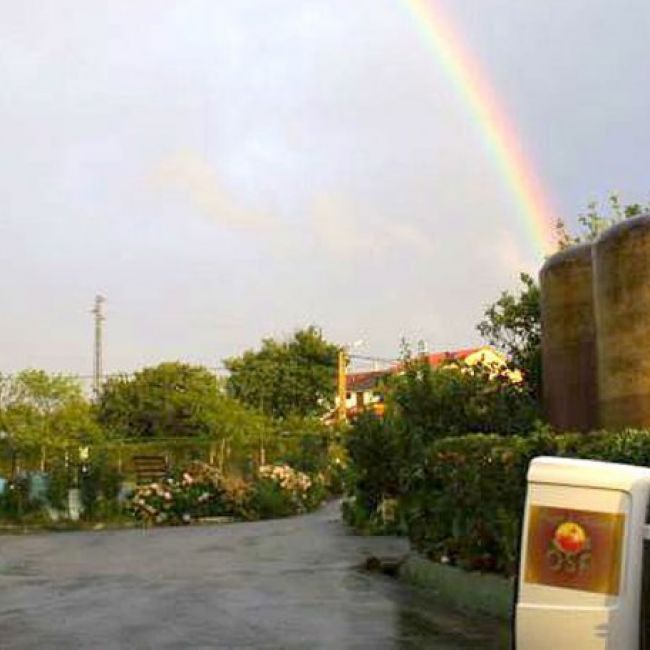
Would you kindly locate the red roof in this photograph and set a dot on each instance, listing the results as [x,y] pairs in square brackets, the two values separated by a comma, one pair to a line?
[358,381]
[438,358]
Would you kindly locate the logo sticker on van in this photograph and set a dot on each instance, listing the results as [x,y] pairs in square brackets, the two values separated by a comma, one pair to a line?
[575,549]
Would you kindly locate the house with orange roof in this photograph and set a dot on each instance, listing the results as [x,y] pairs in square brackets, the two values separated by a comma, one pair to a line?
[366,390]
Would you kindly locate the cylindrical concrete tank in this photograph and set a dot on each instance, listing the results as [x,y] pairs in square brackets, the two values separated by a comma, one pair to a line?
[622,304]
[569,366]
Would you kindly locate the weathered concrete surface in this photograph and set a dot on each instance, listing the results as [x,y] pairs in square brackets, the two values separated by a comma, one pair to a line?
[622,303]
[284,584]
[569,360]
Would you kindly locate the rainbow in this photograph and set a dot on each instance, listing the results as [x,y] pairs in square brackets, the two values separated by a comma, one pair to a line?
[497,129]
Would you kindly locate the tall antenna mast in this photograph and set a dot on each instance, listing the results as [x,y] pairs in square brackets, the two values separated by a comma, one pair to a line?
[97,360]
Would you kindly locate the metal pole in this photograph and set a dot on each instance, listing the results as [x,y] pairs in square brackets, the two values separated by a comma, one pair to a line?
[342,384]
[98,360]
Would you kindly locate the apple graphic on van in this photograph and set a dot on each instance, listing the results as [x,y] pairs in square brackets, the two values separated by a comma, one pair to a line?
[570,537]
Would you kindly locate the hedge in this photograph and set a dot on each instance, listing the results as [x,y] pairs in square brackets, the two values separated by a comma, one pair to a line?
[467,505]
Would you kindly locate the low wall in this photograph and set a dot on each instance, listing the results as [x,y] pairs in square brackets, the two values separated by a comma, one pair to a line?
[469,591]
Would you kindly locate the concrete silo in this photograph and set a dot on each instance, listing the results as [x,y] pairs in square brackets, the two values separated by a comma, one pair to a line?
[569,363]
[622,306]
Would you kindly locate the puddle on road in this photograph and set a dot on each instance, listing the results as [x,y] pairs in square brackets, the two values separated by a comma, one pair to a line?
[421,622]
[445,631]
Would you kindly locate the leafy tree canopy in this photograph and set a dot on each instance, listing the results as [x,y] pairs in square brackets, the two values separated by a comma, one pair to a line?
[284,378]
[37,408]
[377,459]
[172,400]
[456,398]
[513,324]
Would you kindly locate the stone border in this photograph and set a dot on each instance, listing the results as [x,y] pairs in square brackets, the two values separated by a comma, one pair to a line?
[465,590]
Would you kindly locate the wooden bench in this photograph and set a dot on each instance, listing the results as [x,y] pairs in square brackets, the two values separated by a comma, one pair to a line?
[149,469]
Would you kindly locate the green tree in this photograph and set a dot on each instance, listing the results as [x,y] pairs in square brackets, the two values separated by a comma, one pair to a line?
[284,378]
[376,458]
[513,324]
[594,221]
[39,409]
[456,398]
[171,400]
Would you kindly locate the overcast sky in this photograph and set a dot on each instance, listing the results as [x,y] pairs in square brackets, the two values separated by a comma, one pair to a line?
[225,170]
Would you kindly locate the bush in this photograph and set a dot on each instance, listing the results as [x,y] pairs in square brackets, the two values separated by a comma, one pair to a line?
[269,500]
[460,499]
[376,459]
[291,491]
[467,507]
[308,453]
[60,480]
[26,497]
[99,483]
[202,491]
[194,490]
[455,398]
[386,519]
[197,491]
[16,503]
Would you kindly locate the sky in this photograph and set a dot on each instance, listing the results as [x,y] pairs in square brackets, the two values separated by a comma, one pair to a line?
[227,170]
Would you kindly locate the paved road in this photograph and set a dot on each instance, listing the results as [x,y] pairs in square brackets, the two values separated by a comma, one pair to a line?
[287,584]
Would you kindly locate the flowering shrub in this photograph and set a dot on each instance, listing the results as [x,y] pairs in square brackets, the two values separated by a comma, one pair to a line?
[287,478]
[280,491]
[199,491]
[202,491]
[237,494]
[302,490]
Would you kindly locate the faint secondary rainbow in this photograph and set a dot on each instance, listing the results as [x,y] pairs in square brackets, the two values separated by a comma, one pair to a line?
[497,129]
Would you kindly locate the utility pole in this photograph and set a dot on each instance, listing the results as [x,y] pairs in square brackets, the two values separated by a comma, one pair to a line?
[342,384]
[97,360]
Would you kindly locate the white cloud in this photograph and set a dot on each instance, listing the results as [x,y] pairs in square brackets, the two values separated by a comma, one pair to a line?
[343,227]
[192,176]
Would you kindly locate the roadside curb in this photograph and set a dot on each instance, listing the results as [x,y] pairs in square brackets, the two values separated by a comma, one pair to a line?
[465,590]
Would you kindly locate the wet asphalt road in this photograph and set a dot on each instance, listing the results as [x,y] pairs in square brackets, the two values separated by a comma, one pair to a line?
[285,584]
